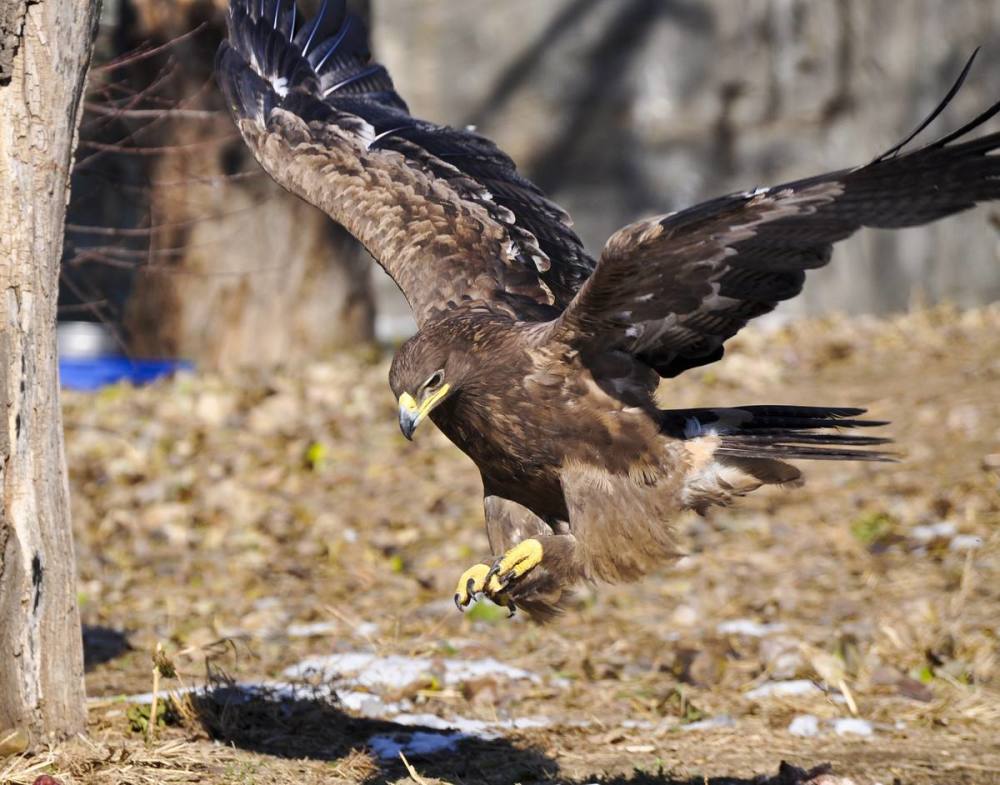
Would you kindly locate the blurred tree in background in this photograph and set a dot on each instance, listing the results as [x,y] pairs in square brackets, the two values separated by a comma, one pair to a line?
[176,233]
[618,108]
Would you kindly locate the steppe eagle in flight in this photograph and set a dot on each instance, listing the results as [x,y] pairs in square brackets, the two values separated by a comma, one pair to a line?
[538,361]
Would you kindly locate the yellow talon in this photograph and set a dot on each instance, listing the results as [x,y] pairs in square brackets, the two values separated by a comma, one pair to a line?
[517,562]
[493,580]
[473,582]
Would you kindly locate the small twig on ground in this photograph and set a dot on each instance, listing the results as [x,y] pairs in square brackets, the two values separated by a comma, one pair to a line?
[156,689]
[414,775]
[848,696]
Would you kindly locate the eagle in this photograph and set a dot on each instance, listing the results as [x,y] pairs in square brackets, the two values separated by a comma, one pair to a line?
[539,361]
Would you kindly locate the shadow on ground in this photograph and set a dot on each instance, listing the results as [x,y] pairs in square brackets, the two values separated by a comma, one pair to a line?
[102,644]
[316,728]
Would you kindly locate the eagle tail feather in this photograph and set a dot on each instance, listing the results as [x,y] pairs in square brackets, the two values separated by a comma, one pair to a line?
[735,451]
[786,432]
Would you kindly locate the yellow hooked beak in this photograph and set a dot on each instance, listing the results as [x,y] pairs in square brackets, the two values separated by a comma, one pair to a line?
[411,414]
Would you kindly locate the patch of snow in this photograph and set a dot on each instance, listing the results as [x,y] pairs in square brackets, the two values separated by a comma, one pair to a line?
[804,725]
[749,628]
[457,671]
[313,630]
[478,728]
[852,726]
[525,723]
[470,727]
[367,704]
[451,732]
[781,689]
[418,743]
[397,672]
[966,542]
[943,530]
[722,721]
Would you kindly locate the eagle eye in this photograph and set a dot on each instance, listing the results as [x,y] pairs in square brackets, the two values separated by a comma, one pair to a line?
[436,380]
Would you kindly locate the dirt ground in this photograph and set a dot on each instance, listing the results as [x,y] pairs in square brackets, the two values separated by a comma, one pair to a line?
[247,525]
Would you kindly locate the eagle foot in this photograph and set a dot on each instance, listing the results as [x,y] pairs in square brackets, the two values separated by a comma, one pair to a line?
[493,580]
[515,563]
[476,582]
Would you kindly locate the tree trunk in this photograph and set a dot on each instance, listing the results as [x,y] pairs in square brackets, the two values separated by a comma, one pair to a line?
[41,654]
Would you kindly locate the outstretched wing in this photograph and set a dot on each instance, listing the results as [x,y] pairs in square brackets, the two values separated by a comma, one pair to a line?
[673,289]
[444,211]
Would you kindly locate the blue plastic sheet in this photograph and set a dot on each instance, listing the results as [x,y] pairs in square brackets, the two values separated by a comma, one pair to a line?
[97,372]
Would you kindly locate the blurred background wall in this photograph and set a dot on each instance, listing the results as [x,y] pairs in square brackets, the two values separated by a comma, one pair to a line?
[621,108]
[618,108]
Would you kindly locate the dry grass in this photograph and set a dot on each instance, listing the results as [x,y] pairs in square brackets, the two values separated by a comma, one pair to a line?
[209,509]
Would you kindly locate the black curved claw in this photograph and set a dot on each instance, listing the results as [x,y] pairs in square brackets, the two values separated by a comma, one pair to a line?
[495,573]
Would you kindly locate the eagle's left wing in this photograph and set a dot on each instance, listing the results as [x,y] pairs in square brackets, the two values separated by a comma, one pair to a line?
[673,289]
[443,210]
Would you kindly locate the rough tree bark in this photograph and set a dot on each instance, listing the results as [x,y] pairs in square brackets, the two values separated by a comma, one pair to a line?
[44,65]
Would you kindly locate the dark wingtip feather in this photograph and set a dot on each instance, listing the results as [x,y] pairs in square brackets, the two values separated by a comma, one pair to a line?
[969,126]
[952,92]
[979,146]
[326,58]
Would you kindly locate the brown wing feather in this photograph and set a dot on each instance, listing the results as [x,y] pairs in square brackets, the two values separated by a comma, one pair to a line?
[440,249]
[443,211]
[673,289]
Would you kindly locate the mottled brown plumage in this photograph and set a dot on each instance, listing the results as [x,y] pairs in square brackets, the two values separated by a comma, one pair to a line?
[538,362]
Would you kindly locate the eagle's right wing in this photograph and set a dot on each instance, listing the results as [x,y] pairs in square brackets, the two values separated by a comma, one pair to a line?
[673,289]
[444,211]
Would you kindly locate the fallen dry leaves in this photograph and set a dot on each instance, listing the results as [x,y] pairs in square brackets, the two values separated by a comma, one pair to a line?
[286,516]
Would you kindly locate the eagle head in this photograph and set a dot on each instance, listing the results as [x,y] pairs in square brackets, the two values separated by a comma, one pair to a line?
[423,375]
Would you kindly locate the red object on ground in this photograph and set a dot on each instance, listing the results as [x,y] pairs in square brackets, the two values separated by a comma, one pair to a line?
[45,779]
